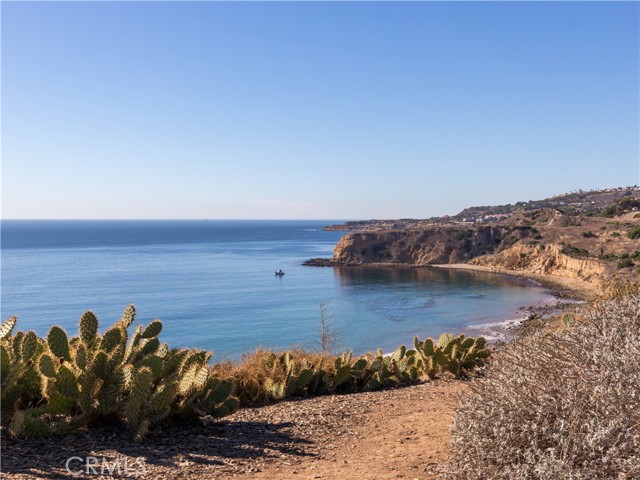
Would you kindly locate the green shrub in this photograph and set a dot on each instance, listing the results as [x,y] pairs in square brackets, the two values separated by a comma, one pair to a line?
[627,203]
[589,234]
[634,232]
[456,355]
[574,251]
[507,242]
[557,405]
[625,262]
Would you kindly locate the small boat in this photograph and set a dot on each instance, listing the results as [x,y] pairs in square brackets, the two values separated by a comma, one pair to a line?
[279,273]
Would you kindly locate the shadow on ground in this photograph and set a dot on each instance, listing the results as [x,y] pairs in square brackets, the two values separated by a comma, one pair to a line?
[218,443]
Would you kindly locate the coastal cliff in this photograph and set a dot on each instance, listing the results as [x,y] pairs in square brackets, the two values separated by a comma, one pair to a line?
[548,260]
[496,249]
[589,248]
[417,247]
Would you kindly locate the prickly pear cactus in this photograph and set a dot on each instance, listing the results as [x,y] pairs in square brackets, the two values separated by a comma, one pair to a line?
[85,378]
[88,328]
[444,340]
[58,343]
[454,355]
[7,327]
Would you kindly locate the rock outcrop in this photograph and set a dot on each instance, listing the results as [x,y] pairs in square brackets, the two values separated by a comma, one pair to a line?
[547,260]
[544,242]
[418,247]
[500,248]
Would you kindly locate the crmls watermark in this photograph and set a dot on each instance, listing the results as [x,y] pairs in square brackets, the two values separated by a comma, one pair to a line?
[120,466]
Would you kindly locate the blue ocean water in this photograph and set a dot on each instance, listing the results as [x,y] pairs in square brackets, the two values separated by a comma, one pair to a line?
[212,283]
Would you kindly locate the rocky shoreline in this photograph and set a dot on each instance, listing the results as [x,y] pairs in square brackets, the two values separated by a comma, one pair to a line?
[321,262]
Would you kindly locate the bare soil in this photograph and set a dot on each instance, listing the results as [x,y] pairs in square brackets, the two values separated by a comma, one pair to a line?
[400,433]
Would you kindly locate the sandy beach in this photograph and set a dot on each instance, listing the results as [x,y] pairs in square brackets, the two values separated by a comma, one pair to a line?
[564,287]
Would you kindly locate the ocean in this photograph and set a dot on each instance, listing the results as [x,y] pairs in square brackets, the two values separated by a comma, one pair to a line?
[212,283]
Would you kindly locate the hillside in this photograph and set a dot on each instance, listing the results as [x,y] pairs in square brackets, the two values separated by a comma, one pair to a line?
[587,236]
[607,202]
[593,202]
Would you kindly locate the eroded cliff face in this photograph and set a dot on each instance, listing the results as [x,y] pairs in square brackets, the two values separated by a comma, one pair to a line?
[418,247]
[547,260]
[547,241]
[496,248]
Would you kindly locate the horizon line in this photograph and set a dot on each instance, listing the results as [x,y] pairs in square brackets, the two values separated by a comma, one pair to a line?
[177,219]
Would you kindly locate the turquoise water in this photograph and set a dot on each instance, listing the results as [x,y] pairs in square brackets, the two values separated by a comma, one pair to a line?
[213,285]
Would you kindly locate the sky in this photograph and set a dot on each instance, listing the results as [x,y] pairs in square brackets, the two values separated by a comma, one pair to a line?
[323,110]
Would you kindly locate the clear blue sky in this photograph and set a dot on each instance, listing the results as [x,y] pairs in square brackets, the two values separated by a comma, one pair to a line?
[312,110]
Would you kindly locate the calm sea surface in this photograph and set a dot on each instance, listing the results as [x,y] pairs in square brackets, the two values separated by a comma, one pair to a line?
[213,285]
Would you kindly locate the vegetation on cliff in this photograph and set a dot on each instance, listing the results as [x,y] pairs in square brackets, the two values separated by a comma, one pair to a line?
[601,230]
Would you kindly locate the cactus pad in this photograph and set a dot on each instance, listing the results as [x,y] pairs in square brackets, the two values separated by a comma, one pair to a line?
[153,329]
[47,366]
[88,327]
[4,362]
[342,375]
[128,316]
[111,339]
[29,345]
[444,340]
[7,327]
[81,356]
[58,343]
[66,382]
[17,344]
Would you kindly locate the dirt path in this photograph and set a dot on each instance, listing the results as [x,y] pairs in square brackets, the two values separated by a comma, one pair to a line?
[397,434]
[401,433]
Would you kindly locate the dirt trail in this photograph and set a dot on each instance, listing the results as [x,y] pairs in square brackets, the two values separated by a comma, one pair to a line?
[400,433]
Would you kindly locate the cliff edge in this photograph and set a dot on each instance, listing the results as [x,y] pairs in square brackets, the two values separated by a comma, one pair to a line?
[543,242]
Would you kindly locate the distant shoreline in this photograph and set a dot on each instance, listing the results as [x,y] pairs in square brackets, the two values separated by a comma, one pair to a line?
[563,287]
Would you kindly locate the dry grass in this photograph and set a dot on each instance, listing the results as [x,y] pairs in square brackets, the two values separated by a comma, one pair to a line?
[562,405]
[254,368]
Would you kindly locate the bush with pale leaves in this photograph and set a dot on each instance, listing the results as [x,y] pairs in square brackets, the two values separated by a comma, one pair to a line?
[563,405]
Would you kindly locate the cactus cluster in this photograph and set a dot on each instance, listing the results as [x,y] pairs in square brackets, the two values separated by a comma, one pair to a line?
[19,379]
[57,383]
[286,377]
[60,383]
[376,371]
[450,354]
[291,378]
